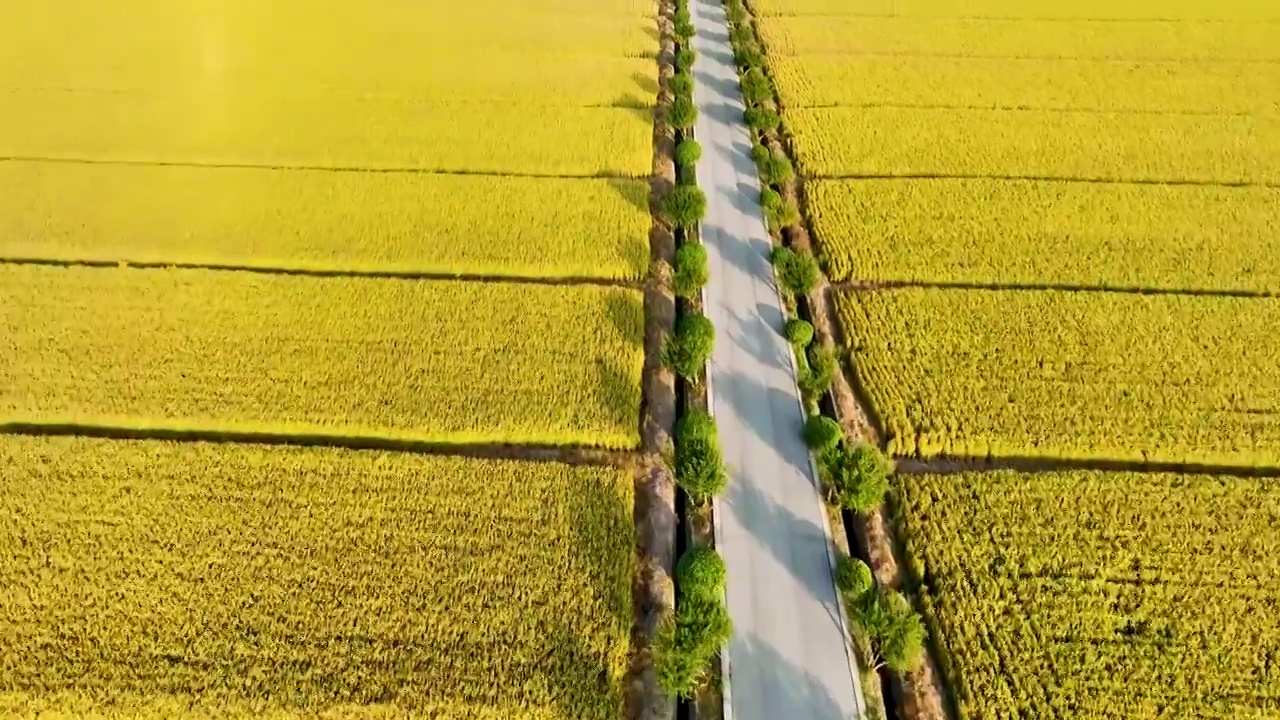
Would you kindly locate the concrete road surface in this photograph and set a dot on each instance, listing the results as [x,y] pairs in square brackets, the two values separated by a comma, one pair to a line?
[789,658]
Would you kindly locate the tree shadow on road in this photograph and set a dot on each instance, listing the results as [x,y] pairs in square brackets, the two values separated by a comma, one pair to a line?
[796,543]
[782,684]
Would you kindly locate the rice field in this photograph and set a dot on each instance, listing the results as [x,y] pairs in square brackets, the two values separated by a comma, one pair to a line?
[321,226]
[1070,375]
[1054,227]
[1116,596]
[981,230]
[368,138]
[287,354]
[363,222]
[186,580]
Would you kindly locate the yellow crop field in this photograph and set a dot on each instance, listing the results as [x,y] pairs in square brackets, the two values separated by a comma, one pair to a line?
[440,361]
[1116,376]
[158,580]
[817,35]
[331,132]
[1240,88]
[990,231]
[259,84]
[80,42]
[500,75]
[1038,143]
[409,222]
[1237,10]
[1115,596]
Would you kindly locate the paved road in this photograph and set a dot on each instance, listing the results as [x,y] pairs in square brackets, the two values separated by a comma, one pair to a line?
[789,657]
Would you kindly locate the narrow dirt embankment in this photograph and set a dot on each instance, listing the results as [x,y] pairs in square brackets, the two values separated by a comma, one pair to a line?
[653,591]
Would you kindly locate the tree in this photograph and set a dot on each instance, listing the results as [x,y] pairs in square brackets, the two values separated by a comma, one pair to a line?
[687,641]
[689,347]
[688,152]
[690,272]
[681,84]
[699,467]
[685,206]
[895,630]
[683,113]
[756,87]
[857,475]
[799,333]
[822,433]
[797,272]
[701,572]
[761,119]
[853,578]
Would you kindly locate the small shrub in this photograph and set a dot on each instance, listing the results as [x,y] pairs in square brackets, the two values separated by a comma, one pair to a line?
[748,55]
[683,113]
[797,272]
[684,29]
[741,35]
[699,467]
[687,641]
[759,153]
[756,87]
[853,577]
[770,201]
[684,60]
[701,572]
[896,630]
[858,476]
[681,85]
[822,366]
[822,433]
[685,206]
[688,152]
[777,212]
[690,272]
[799,333]
[737,14]
[689,347]
[776,169]
[682,15]
[762,119]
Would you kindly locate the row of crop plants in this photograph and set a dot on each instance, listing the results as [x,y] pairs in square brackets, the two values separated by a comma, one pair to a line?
[324,364]
[1045,258]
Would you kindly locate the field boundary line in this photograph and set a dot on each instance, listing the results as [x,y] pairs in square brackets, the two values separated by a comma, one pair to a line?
[890,285]
[529,452]
[1017,18]
[1018,108]
[601,175]
[1203,60]
[956,464]
[633,284]
[1048,179]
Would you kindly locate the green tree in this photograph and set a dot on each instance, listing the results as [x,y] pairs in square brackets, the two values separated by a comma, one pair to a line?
[857,475]
[699,467]
[822,433]
[685,206]
[895,629]
[701,571]
[689,347]
[688,152]
[683,113]
[853,577]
